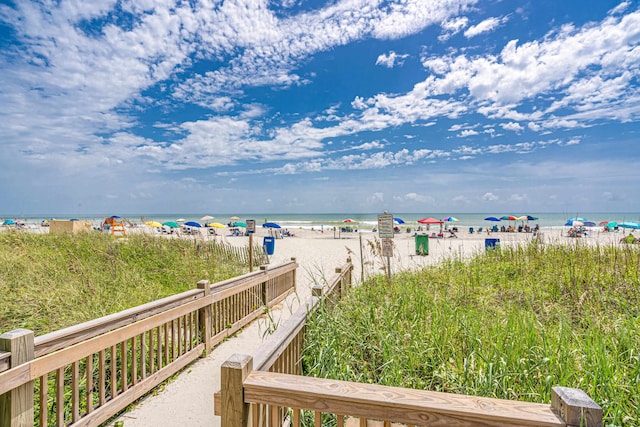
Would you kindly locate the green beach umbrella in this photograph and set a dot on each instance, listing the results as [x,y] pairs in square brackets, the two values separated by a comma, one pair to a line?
[240,224]
[171,224]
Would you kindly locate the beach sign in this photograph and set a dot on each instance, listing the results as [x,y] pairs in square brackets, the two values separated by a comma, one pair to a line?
[251,225]
[385,226]
[387,248]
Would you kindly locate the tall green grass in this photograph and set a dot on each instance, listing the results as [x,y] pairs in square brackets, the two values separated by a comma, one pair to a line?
[48,282]
[508,324]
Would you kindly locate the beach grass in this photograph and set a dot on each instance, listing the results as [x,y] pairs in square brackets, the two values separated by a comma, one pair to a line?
[508,324]
[51,281]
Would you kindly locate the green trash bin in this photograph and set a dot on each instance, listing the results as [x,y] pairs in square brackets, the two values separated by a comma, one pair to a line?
[422,244]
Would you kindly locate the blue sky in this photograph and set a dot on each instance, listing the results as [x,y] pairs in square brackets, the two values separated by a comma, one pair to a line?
[296,106]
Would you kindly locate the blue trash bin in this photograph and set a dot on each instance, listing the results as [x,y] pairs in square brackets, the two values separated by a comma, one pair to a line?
[491,244]
[269,244]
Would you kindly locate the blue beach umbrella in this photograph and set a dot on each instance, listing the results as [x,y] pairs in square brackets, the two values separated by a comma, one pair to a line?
[192,224]
[398,221]
[492,218]
[270,225]
[632,225]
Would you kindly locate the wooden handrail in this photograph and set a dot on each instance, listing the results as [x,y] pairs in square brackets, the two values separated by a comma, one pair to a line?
[408,406]
[48,343]
[62,338]
[144,345]
[273,348]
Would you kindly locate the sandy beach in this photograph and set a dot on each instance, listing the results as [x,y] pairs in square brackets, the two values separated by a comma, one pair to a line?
[188,399]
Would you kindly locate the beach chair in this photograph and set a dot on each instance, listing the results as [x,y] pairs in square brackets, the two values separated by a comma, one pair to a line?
[470,230]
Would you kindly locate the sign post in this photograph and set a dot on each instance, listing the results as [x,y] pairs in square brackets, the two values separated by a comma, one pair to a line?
[251,228]
[386,233]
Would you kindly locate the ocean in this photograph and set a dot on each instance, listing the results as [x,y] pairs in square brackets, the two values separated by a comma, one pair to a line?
[365,221]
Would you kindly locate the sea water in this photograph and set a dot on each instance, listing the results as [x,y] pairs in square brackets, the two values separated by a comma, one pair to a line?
[360,221]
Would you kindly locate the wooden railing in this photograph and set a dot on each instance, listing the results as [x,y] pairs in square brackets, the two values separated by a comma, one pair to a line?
[85,374]
[268,389]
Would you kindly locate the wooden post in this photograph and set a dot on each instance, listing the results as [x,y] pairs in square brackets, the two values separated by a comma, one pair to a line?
[250,252]
[265,294]
[233,411]
[342,287]
[205,317]
[294,273]
[575,407]
[16,406]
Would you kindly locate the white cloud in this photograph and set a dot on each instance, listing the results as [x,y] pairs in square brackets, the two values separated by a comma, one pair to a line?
[620,8]
[513,126]
[375,198]
[452,27]
[490,197]
[468,132]
[391,59]
[485,26]
[517,197]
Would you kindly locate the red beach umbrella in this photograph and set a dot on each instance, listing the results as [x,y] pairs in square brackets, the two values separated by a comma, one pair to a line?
[430,221]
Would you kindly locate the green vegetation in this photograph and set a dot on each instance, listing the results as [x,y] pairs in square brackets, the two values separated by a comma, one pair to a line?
[508,324]
[48,282]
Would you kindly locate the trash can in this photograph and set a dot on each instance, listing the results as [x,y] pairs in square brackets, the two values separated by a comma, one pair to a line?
[269,244]
[422,244]
[490,244]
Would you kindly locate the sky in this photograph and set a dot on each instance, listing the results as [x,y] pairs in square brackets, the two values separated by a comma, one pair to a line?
[304,106]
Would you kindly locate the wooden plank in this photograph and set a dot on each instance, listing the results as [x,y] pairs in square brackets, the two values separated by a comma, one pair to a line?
[393,403]
[44,400]
[102,378]
[89,387]
[16,404]
[75,391]
[60,396]
[113,372]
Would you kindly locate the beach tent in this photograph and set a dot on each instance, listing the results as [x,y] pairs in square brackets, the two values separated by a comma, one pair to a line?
[430,221]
